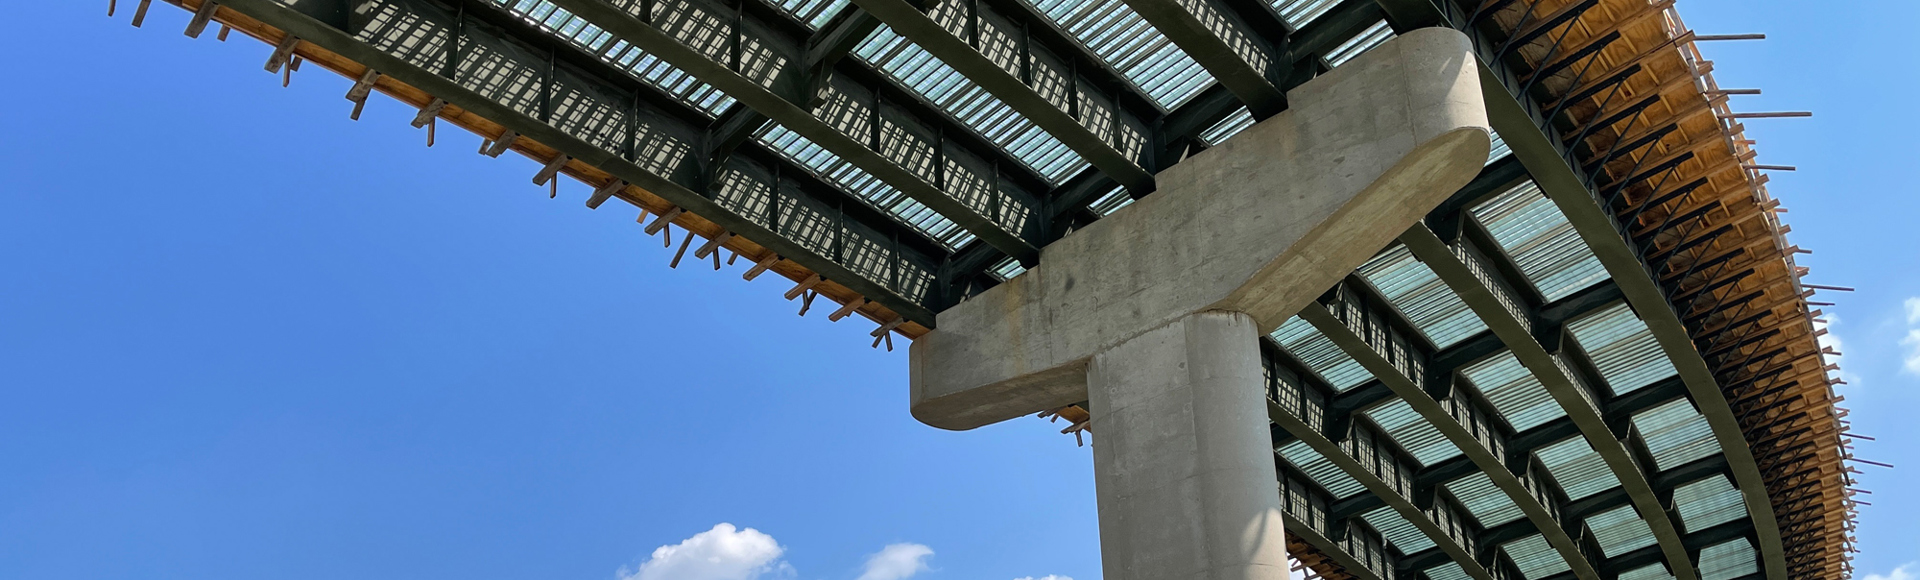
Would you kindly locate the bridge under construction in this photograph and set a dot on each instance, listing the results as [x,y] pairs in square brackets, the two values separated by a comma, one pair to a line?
[1377,289]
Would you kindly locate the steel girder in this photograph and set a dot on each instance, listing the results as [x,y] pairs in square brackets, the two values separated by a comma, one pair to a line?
[1529,131]
[1176,134]
[1566,374]
[753,65]
[486,62]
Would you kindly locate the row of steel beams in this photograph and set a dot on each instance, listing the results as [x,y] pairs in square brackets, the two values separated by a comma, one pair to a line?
[754,67]
[1305,410]
[1486,290]
[564,98]
[1354,550]
[1176,134]
[1341,416]
[979,43]
[1369,457]
[1395,354]
[1526,126]
[1223,42]
[1179,131]
[1046,77]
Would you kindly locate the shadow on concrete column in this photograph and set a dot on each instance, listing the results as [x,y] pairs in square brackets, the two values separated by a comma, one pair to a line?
[1183,461]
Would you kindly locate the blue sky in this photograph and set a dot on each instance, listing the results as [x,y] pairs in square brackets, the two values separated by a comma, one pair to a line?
[244,337]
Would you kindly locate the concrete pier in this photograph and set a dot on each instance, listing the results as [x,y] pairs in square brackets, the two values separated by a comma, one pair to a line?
[1152,314]
[1183,460]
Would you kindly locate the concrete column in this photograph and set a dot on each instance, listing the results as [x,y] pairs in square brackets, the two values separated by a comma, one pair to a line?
[1182,458]
[1261,224]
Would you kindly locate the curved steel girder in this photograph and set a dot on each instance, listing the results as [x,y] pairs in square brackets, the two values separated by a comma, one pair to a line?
[1221,42]
[1460,266]
[907,20]
[784,109]
[1462,436]
[1379,488]
[1525,127]
[1546,161]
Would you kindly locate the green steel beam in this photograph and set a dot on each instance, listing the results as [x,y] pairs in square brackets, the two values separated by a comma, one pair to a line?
[671,188]
[790,112]
[964,56]
[1486,292]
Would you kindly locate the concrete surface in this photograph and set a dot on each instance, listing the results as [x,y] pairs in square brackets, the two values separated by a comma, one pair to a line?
[1259,225]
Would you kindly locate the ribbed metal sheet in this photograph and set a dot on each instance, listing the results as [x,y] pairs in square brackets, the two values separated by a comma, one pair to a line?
[1709,502]
[1498,150]
[1728,561]
[646,67]
[812,12]
[1367,39]
[1447,571]
[1489,506]
[1579,469]
[1620,530]
[1320,354]
[1413,432]
[1297,13]
[866,187]
[1514,392]
[1536,558]
[1228,127]
[1130,45]
[1651,572]
[1538,237]
[563,24]
[1676,434]
[1622,347]
[1413,289]
[954,93]
[1399,532]
[1320,470]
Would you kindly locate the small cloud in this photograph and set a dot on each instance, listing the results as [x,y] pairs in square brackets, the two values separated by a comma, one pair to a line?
[1046,577]
[1832,340]
[1905,571]
[1911,358]
[722,553]
[897,562]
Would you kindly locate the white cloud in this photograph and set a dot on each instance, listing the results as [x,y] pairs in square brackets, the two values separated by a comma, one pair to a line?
[1911,358]
[1046,577]
[1832,340]
[897,562]
[1905,571]
[722,553]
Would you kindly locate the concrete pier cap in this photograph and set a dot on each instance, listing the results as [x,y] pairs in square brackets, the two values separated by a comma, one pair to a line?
[1259,225]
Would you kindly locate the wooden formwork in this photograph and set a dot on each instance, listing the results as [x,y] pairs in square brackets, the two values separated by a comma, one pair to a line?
[1655,137]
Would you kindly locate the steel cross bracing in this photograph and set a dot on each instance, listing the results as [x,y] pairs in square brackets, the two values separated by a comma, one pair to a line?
[484,61]
[1391,351]
[773,67]
[1177,134]
[553,91]
[751,61]
[1335,426]
[1332,425]
[1489,291]
[1537,142]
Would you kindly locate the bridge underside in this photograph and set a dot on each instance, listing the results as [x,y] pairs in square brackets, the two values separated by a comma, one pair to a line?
[1596,359]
